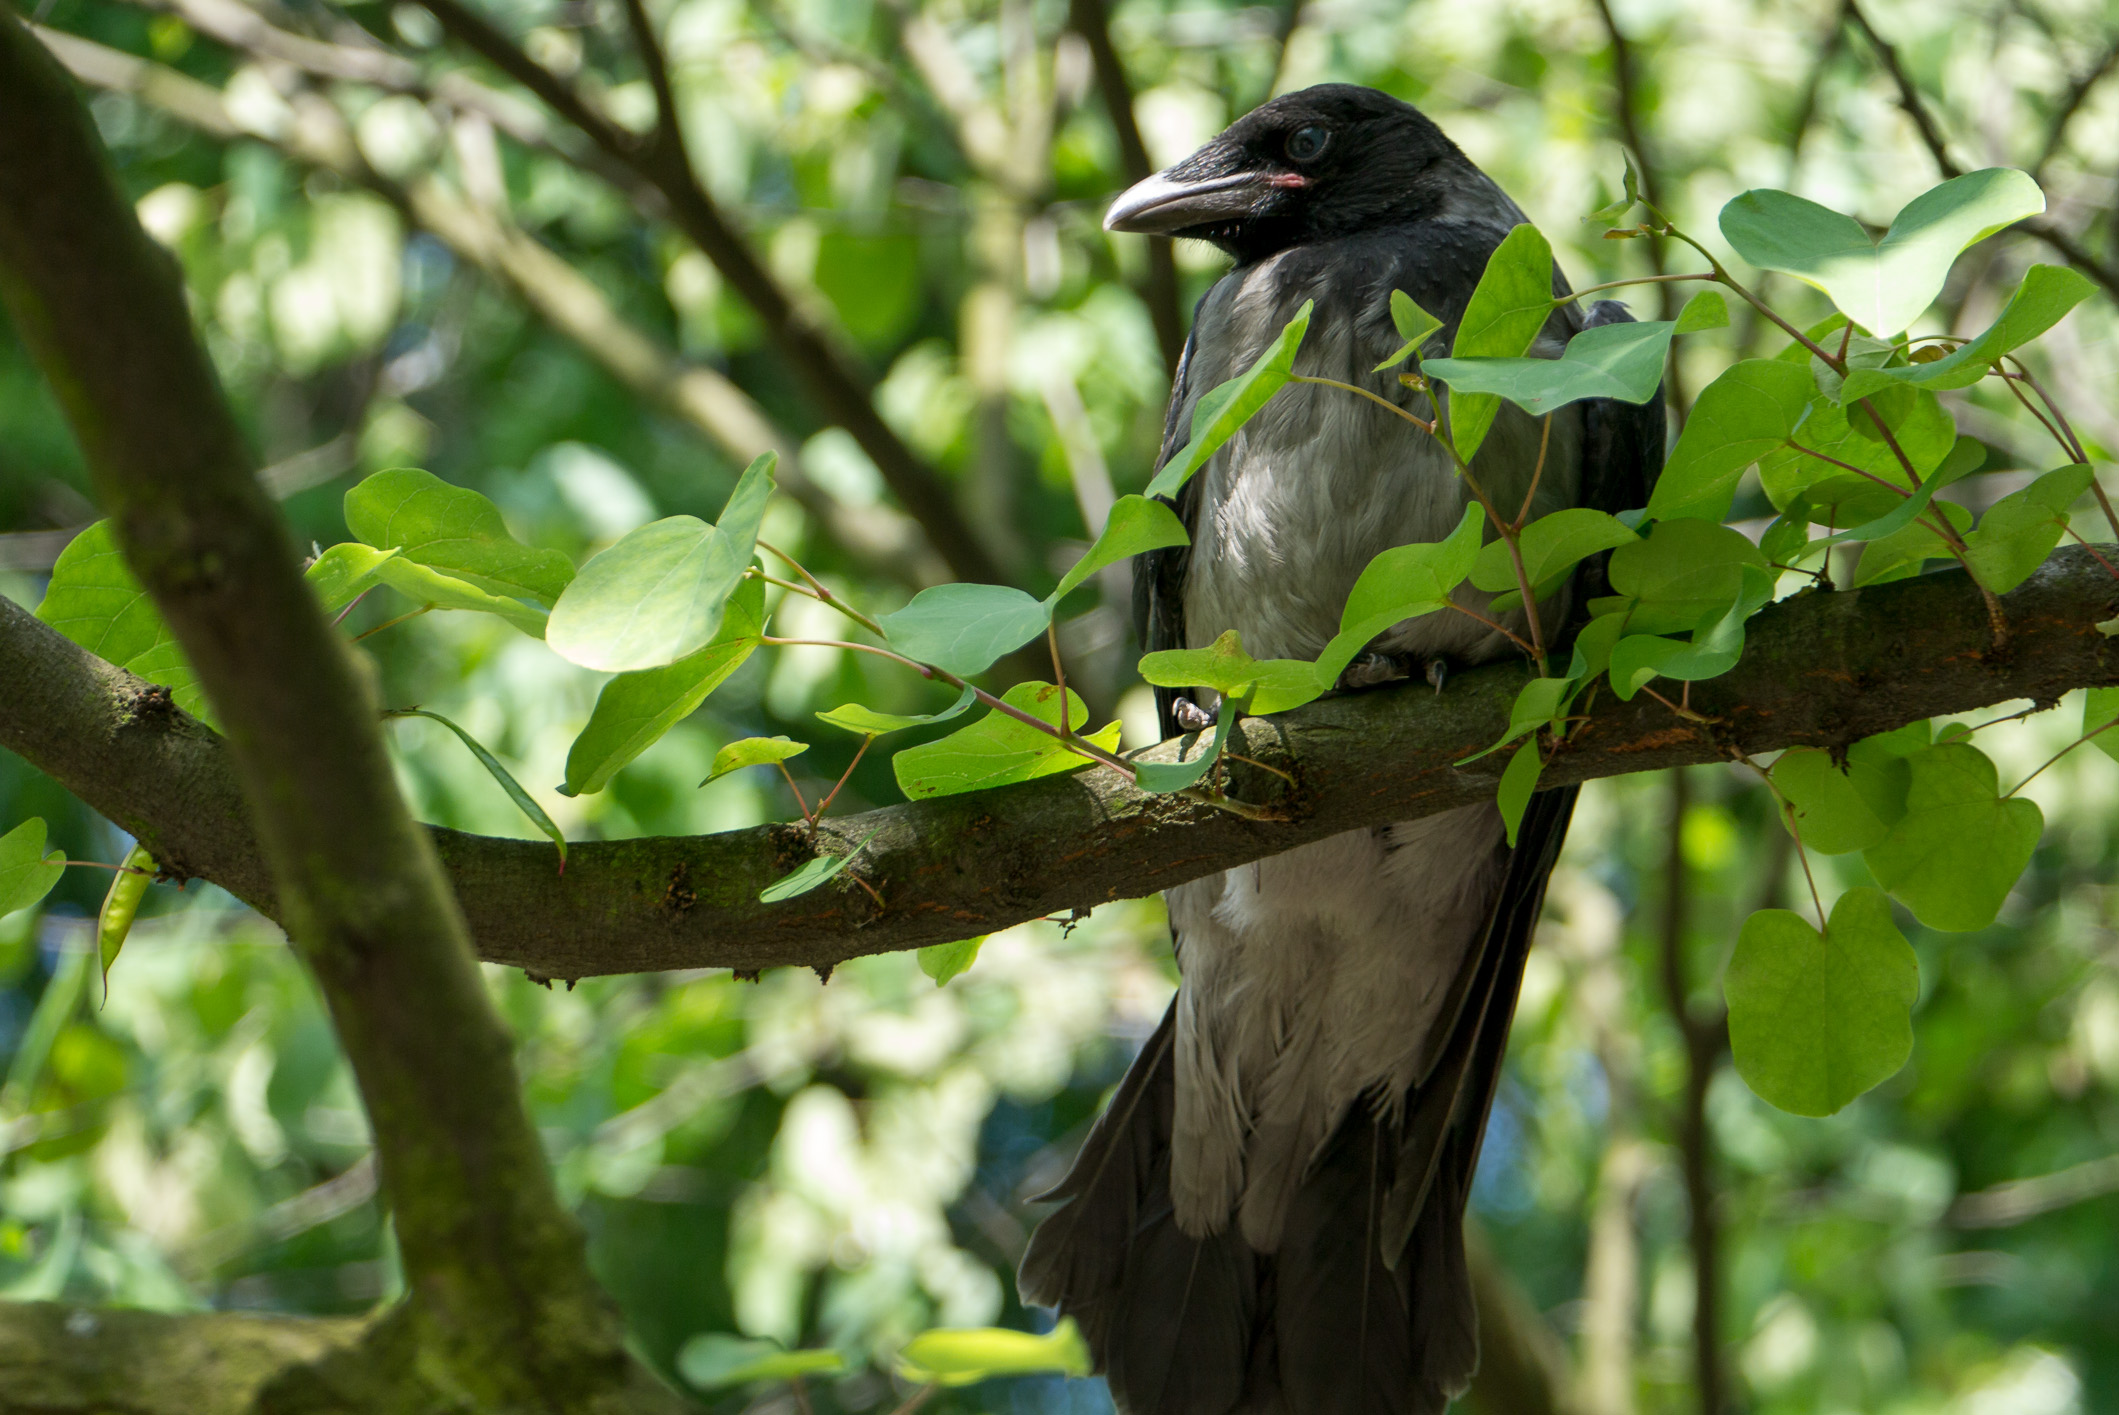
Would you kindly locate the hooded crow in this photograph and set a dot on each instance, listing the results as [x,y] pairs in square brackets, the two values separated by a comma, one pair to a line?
[1269,1215]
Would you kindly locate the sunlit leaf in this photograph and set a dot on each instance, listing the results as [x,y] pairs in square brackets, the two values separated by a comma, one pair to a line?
[1223,409]
[635,710]
[524,802]
[660,592]
[2017,533]
[27,874]
[1269,685]
[423,584]
[1507,310]
[1960,846]
[998,750]
[1550,546]
[454,530]
[943,961]
[1750,410]
[1135,525]
[956,1357]
[121,905]
[1817,1019]
[1413,324]
[345,572]
[1713,651]
[868,722]
[1400,584]
[753,751]
[714,1361]
[1881,285]
[964,628]
[1622,361]
[94,600]
[1839,809]
[2100,709]
[1682,572]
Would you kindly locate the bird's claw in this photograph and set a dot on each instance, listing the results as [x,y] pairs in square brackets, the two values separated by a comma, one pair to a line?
[1373,669]
[1190,716]
[1438,672]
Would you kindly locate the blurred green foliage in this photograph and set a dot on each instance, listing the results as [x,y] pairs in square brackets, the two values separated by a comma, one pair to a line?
[849,1163]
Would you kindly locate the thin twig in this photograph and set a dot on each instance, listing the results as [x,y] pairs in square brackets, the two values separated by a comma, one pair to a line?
[808,818]
[846,775]
[2094,732]
[1536,474]
[1418,422]
[1499,628]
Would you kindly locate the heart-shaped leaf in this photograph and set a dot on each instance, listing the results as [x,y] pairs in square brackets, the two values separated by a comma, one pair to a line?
[998,750]
[867,721]
[1135,525]
[943,961]
[1681,573]
[1840,809]
[1402,583]
[94,600]
[660,592]
[1750,410]
[344,572]
[1705,310]
[1267,685]
[753,751]
[1960,846]
[1881,285]
[1817,1019]
[2020,530]
[1550,546]
[2044,298]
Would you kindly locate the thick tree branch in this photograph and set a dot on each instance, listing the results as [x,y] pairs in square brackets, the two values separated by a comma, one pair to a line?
[59,1359]
[2044,228]
[1158,287]
[501,1296]
[842,391]
[1819,669]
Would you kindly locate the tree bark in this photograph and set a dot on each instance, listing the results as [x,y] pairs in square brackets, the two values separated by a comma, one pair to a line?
[1819,670]
[502,1312]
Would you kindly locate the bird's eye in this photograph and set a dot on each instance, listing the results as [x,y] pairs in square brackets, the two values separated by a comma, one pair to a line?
[1306,143]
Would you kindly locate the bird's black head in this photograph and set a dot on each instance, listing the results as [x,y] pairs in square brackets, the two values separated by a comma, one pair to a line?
[1327,161]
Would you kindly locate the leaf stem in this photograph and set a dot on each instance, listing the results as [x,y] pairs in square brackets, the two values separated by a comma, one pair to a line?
[351,605]
[1498,627]
[1536,475]
[1722,276]
[1636,280]
[1059,673]
[119,869]
[1423,424]
[844,776]
[2057,756]
[808,819]
[1802,853]
[392,623]
[818,592]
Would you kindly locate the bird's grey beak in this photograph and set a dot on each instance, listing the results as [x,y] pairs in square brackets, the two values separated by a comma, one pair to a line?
[1161,204]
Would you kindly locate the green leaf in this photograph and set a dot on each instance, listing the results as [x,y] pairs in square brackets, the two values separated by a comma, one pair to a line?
[1881,285]
[634,710]
[713,1361]
[1518,781]
[2100,709]
[963,629]
[2020,530]
[1414,325]
[27,874]
[1551,546]
[454,530]
[1925,433]
[345,572]
[94,600]
[1402,583]
[1268,685]
[1843,809]
[2045,297]
[1626,202]
[1507,310]
[121,905]
[425,585]
[1817,1019]
[659,593]
[1135,525]
[1223,409]
[1681,573]
[1705,310]
[998,750]
[1161,778]
[1537,703]
[1903,552]
[1714,649]
[943,961]
[957,1357]
[508,783]
[1959,848]
[1963,461]
[1740,417]
[868,722]
[1622,361]
[1593,646]
[808,876]
[753,751]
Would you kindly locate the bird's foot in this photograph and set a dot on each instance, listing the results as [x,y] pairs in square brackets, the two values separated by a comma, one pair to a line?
[1438,672]
[1191,717]
[1372,669]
